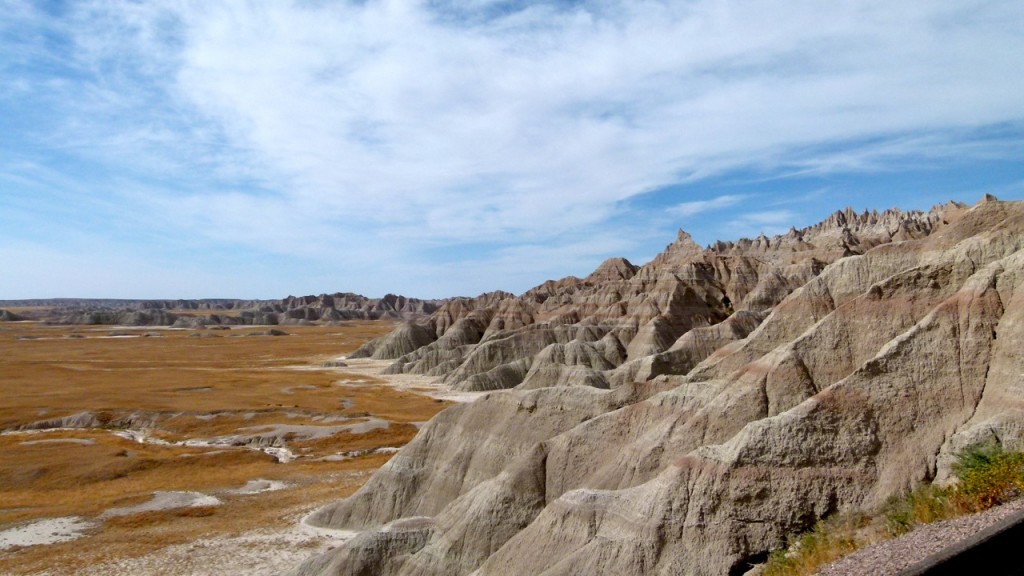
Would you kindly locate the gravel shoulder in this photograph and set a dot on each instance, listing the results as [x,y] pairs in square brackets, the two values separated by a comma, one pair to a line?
[891,557]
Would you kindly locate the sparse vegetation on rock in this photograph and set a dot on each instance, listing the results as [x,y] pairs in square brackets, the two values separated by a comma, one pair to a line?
[987,476]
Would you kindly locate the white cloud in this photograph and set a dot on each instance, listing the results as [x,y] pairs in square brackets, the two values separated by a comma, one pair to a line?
[288,126]
[386,101]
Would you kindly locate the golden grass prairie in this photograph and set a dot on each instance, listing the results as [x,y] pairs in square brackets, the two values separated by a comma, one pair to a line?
[182,387]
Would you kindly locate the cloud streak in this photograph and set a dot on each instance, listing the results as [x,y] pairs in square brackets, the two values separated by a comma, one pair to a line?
[695,207]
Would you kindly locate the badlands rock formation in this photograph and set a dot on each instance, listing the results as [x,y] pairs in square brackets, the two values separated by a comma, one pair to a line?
[200,313]
[686,416]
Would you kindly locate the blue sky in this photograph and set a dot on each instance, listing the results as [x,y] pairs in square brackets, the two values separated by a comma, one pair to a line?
[259,149]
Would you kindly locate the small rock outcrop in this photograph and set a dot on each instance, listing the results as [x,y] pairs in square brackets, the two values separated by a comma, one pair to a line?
[403,340]
[612,270]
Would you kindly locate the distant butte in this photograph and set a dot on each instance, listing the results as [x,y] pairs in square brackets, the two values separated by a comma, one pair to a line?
[325,308]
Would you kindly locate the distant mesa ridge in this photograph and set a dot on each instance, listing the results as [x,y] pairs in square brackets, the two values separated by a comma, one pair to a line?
[687,416]
[324,308]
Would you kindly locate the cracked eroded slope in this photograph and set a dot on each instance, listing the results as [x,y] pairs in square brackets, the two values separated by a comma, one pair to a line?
[857,385]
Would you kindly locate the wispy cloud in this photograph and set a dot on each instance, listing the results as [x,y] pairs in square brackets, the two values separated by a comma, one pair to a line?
[353,127]
[694,207]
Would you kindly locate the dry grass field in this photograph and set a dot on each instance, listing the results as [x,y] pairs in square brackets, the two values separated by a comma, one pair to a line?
[167,411]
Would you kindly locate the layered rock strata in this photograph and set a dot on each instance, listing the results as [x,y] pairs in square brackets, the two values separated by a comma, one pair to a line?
[686,416]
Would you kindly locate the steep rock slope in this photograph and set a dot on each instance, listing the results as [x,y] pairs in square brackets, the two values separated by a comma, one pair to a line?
[775,381]
[623,312]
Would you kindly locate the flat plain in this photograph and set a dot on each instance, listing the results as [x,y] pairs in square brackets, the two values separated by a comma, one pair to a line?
[156,439]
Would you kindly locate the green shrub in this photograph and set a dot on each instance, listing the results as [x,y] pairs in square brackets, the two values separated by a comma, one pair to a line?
[830,540]
[924,505]
[976,458]
[988,476]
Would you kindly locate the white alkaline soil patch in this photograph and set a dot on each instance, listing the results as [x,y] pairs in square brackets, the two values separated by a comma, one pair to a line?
[165,501]
[258,486]
[81,441]
[261,552]
[45,531]
[429,386]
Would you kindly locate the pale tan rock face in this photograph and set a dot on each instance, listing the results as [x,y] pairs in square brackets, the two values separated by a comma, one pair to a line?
[407,338]
[683,418]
